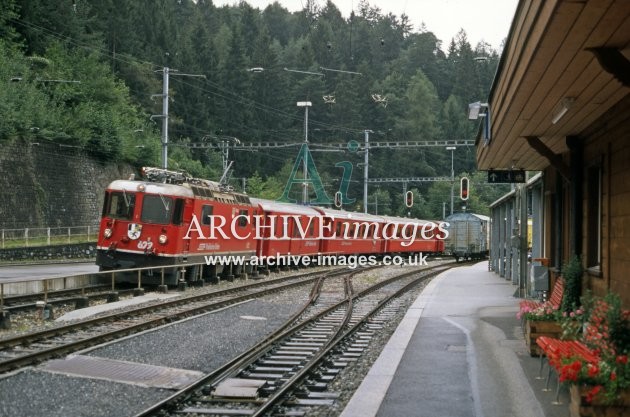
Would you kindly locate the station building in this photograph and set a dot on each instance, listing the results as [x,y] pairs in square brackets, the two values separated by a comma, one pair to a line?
[559,109]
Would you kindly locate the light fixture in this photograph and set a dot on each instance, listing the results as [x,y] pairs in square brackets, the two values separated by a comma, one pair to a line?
[474,110]
[474,113]
[563,107]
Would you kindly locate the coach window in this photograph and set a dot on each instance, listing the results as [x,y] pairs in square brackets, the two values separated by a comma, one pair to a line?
[283,227]
[206,212]
[296,230]
[311,228]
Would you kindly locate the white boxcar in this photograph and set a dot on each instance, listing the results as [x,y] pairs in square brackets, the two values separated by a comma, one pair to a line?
[468,236]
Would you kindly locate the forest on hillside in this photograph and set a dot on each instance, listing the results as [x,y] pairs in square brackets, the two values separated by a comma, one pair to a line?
[89,75]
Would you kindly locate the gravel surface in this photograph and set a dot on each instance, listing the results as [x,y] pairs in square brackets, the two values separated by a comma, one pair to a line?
[34,393]
[201,343]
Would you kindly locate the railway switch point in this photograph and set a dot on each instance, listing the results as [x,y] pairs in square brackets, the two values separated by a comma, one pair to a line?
[182,286]
[112,297]
[81,302]
[5,319]
[138,292]
[162,289]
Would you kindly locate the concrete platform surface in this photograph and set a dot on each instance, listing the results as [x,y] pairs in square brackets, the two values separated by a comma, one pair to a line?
[459,351]
[101,308]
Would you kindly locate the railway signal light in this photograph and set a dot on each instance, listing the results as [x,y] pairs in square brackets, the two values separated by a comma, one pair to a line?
[409,198]
[338,199]
[463,188]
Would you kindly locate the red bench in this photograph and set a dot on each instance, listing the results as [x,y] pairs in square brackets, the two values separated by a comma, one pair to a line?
[554,301]
[556,351]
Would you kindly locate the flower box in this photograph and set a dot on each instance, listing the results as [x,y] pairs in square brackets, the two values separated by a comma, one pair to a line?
[580,407]
[536,328]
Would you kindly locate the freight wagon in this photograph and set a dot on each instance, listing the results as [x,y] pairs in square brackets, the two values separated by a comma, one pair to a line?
[468,236]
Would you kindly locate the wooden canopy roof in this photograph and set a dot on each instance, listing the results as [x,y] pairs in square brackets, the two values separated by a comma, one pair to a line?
[559,53]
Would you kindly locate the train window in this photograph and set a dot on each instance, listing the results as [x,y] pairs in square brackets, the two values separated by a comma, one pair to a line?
[178,213]
[347,230]
[157,209]
[243,219]
[206,212]
[311,228]
[120,205]
[282,227]
[296,229]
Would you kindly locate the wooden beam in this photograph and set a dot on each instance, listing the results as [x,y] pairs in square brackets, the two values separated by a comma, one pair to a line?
[554,159]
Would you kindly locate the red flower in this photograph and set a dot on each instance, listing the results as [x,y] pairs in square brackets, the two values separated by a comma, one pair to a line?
[593,370]
[592,393]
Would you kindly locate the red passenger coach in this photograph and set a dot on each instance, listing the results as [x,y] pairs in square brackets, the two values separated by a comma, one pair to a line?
[171,219]
[413,236]
[354,233]
[287,229]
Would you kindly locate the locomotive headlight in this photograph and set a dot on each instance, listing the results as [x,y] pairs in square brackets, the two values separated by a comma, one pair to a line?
[107,233]
[162,239]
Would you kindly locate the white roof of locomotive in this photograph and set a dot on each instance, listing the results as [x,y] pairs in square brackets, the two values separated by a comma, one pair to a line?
[151,188]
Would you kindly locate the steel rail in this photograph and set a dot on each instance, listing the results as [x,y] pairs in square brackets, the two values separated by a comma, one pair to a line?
[241,361]
[23,360]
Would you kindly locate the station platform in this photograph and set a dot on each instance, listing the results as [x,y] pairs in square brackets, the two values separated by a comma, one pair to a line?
[87,312]
[459,351]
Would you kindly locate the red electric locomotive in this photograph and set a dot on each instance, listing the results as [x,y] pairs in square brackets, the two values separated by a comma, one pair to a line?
[168,220]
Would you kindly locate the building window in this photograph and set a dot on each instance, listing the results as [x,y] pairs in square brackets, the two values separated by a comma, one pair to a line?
[594,216]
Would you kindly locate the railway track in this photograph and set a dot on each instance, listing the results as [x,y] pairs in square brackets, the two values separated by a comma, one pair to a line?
[294,367]
[31,348]
[26,303]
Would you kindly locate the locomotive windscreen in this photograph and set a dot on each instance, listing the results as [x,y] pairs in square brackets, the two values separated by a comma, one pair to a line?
[157,209]
[119,205]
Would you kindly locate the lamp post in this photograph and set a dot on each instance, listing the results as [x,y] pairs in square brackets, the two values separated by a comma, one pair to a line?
[452,149]
[366,159]
[306,105]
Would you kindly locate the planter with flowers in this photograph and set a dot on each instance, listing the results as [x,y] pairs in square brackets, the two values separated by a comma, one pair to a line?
[600,380]
[541,321]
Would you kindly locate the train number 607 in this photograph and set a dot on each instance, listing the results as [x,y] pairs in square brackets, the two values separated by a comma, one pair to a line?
[145,244]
